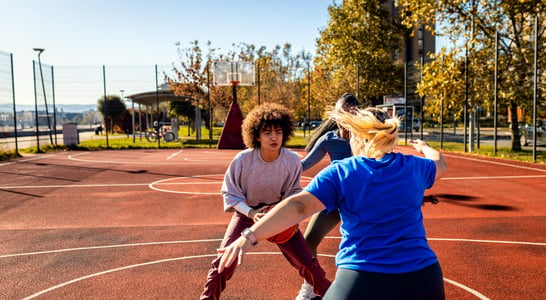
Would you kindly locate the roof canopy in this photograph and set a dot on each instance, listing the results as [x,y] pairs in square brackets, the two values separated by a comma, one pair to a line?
[154,97]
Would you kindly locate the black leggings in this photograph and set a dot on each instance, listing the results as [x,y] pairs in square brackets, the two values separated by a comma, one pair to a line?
[425,284]
[318,227]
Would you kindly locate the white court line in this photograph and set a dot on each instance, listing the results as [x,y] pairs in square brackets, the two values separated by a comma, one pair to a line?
[159,182]
[27,159]
[163,183]
[470,240]
[204,161]
[493,177]
[212,240]
[464,287]
[114,270]
[487,241]
[73,186]
[108,246]
[37,294]
[494,162]
[174,154]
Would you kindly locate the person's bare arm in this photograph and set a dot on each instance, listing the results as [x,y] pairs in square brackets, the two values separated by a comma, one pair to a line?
[430,153]
[289,212]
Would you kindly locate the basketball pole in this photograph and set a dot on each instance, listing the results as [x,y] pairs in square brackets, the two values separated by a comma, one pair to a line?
[231,136]
[234,91]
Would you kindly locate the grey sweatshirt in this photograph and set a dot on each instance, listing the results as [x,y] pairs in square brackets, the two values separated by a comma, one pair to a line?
[251,179]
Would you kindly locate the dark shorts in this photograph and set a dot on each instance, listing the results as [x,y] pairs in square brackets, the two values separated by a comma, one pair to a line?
[425,284]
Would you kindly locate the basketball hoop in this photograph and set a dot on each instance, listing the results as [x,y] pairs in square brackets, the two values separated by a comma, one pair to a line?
[233,73]
[234,77]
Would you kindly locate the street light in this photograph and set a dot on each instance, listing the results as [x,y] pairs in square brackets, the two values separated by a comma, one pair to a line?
[40,50]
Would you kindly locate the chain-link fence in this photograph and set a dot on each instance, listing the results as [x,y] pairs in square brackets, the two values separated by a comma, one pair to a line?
[70,94]
[7,115]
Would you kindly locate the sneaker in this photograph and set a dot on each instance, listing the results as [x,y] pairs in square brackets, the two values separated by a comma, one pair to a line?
[306,292]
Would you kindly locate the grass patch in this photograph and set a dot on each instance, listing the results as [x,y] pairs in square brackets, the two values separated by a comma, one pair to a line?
[123,142]
[524,155]
[10,154]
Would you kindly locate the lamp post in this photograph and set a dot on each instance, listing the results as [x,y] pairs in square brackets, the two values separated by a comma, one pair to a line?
[308,99]
[40,50]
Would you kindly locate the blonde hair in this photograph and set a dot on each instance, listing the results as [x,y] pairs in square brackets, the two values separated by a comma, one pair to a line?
[373,132]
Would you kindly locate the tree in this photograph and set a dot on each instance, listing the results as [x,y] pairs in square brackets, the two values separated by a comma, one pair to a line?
[477,22]
[362,36]
[112,109]
[190,81]
[443,84]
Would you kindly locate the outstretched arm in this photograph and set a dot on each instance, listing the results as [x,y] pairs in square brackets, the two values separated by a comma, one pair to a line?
[314,156]
[289,212]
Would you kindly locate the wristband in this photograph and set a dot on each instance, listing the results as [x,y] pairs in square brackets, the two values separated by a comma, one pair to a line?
[249,235]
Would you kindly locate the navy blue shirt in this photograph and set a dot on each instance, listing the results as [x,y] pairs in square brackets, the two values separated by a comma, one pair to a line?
[330,143]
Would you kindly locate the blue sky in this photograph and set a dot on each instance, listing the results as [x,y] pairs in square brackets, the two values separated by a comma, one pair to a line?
[144,32]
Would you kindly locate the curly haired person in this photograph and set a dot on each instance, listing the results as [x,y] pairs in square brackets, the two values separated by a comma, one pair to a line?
[263,175]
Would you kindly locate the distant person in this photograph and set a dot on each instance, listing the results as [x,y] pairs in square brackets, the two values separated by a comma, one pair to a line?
[257,178]
[332,140]
[383,253]
[99,129]
[158,125]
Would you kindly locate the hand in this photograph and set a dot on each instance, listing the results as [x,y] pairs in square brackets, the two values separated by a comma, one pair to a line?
[419,145]
[235,250]
[256,214]
[430,198]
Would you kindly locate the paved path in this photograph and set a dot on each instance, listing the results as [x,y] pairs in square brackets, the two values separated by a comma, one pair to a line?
[29,141]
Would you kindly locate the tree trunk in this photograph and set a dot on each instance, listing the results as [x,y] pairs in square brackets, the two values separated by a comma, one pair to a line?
[516,145]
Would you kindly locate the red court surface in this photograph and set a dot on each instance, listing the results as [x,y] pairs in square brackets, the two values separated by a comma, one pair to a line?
[145,224]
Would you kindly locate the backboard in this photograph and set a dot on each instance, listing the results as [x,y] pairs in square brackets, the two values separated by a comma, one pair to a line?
[229,73]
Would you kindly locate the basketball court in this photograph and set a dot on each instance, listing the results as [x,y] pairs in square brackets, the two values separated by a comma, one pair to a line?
[145,224]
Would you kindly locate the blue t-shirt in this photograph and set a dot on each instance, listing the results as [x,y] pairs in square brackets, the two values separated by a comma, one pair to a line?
[380,207]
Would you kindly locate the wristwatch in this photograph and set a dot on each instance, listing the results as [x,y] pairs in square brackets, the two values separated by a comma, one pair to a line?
[249,235]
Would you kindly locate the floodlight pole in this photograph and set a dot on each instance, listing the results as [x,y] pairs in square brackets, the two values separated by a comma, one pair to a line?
[210,106]
[495,93]
[36,123]
[40,50]
[535,92]
[157,107]
[54,107]
[14,106]
[308,100]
